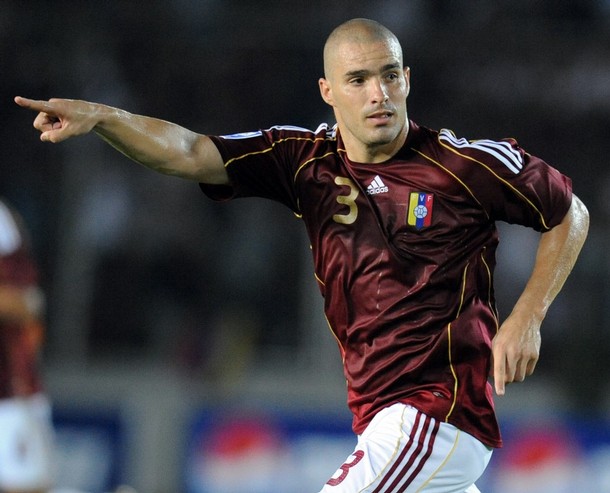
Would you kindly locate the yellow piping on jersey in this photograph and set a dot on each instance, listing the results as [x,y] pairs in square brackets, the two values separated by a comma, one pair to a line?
[491,307]
[515,191]
[470,192]
[330,326]
[273,144]
[309,161]
[319,280]
[453,372]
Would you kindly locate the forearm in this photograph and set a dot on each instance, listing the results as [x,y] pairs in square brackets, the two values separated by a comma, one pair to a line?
[162,146]
[516,347]
[556,255]
[159,145]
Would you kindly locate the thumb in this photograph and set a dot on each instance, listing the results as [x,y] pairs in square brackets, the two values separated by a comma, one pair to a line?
[56,133]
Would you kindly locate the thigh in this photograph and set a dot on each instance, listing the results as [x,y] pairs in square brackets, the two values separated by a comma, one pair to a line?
[25,443]
[403,450]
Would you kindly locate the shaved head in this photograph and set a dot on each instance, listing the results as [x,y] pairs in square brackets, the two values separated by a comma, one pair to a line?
[357,31]
[366,84]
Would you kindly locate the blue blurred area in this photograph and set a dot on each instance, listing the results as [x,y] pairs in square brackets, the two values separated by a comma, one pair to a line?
[91,449]
[276,453]
[239,450]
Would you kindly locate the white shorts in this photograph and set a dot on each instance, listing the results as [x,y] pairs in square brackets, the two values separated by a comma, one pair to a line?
[26,437]
[403,450]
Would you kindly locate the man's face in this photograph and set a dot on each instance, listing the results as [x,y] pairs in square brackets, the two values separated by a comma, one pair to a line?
[367,87]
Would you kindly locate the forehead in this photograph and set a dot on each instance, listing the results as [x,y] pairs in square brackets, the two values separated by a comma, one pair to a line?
[351,55]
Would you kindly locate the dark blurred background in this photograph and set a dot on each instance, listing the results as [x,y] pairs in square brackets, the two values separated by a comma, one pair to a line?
[161,302]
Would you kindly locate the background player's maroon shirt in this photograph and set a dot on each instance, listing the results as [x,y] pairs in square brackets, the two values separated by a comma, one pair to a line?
[19,342]
[404,253]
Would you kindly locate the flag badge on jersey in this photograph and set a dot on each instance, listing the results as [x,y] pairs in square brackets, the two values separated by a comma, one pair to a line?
[419,213]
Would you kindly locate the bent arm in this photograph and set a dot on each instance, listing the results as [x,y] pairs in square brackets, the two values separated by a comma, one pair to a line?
[556,255]
[516,347]
[157,144]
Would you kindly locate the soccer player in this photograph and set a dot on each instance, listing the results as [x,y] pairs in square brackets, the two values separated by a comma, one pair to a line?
[25,415]
[401,220]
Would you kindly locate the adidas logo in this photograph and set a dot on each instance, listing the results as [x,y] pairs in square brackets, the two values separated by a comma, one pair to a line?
[376,186]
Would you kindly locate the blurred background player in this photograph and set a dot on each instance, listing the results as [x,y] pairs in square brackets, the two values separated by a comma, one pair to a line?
[25,414]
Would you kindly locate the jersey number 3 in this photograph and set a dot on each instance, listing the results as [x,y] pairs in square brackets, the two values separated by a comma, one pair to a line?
[358,455]
[348,200]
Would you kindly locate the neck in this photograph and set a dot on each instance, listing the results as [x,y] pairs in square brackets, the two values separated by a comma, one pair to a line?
[360,152]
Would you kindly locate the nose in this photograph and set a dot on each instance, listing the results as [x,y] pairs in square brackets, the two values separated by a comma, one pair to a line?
[379,93]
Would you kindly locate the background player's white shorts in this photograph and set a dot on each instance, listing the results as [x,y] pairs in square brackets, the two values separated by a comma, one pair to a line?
[404,450]
[26,437]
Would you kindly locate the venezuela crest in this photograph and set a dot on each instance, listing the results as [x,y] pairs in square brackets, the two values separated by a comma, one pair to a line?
[419,213]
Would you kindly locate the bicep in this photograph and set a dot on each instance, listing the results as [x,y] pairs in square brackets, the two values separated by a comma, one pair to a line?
[208,165]
[560,246]
[575,223]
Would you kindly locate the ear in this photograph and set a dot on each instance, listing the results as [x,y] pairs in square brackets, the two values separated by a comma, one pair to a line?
[325,91]
[407,72]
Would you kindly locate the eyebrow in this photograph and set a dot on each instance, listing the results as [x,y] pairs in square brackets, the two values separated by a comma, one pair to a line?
[364,72]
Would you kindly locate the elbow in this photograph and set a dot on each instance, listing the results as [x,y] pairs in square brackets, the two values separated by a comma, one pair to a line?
[579,216]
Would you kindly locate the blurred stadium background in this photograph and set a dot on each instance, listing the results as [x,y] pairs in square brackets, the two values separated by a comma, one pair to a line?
[174,320]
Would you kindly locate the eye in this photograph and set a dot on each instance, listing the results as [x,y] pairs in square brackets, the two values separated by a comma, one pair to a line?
[357,81]
[392,76]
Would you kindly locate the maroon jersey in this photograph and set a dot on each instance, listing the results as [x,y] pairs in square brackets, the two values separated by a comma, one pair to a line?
[19,342]
[404,254]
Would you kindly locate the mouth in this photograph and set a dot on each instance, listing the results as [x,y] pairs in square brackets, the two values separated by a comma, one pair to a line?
[380,117]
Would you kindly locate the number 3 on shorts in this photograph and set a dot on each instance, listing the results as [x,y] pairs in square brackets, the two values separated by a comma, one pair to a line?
[358,455]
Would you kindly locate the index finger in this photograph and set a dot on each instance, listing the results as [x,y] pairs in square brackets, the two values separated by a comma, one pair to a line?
[499,374]
[32,104]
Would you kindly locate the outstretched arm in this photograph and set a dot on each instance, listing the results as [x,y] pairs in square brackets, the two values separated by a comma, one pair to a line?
[157,144]
[516,347]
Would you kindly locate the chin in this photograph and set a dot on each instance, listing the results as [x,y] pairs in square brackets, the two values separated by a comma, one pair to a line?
[384,138]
